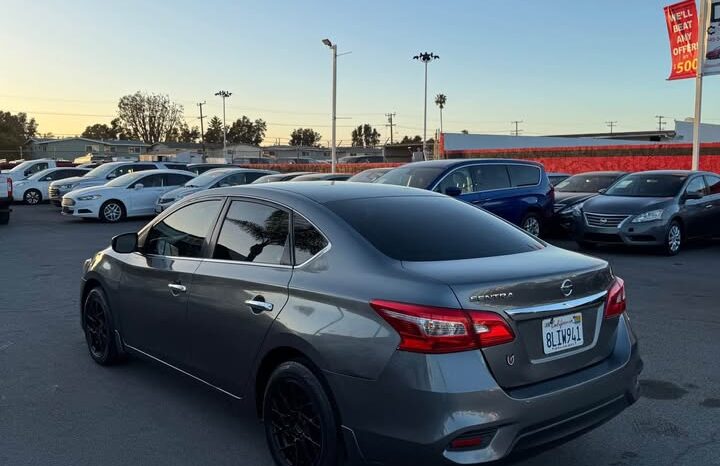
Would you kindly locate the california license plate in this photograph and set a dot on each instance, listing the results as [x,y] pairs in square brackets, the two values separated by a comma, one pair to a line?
[561,333]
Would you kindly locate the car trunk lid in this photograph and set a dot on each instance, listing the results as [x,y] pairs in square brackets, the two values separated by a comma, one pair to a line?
[546,292]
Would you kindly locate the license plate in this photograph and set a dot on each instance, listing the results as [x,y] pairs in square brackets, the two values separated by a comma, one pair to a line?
[561,333]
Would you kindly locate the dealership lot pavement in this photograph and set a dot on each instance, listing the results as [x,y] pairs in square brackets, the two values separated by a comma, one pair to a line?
[59,408]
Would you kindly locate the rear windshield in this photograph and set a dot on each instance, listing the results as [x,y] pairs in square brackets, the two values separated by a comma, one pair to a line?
[415,177]
[585,183]
[429,228]
[647,185]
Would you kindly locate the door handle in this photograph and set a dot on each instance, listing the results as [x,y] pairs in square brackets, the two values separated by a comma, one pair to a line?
[176,288]
[709,206]
[259,306]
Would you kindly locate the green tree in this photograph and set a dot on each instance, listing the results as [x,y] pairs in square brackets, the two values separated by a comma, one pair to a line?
[15,129]
[183,133]
[464,131]
[440,101]
[245,131]
[214,133]
[150,117]
[413,140]
[99,131]
[305,137]
[365,136]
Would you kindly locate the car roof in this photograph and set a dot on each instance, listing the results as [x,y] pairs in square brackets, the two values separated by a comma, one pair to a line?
[670,172]
[599,173]
[239,170]
[447,163]
[163,170]
[320,176]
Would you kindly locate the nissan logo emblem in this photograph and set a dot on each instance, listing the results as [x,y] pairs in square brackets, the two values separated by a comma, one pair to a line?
[566,288]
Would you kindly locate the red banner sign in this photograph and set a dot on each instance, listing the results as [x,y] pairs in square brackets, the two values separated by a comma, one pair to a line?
[683,30]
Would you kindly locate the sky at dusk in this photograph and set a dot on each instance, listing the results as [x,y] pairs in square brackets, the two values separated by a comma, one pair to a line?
[561,66]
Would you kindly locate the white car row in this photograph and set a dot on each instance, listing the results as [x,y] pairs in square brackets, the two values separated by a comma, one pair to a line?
[36,188]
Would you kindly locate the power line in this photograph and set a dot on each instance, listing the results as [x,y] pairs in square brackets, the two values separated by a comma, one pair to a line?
[661,123]
[390,124]
[611,124]
[517,131]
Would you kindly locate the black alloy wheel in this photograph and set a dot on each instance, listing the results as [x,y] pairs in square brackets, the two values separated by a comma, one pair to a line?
[98,327]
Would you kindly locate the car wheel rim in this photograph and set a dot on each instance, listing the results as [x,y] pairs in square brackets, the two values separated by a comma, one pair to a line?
[295,426]
[674,238]
[112,212]
[532,226]
[96,328]
[32,197]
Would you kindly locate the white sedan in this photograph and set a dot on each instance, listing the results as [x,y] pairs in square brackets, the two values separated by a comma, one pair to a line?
[130,195]
[34,190]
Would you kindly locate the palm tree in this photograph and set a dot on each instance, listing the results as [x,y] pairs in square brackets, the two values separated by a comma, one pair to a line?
[440,101]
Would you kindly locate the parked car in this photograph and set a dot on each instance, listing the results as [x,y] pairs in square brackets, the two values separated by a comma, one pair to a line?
[297,160]
[216,178]
[30,167]
[279,177]
[35,189]
[579,188]
[6,198]
[653,208]
[89,165]
[200,168]
[457,345]
[362,159]
[323,177]
[556,178]
[97,177]
[130,195]
[713,54]
[516,190]
[369,175]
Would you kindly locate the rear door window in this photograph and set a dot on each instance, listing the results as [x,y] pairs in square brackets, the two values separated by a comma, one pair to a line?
[524,175]
[490,176]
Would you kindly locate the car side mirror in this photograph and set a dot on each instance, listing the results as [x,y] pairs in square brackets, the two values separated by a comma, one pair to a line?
[125,243]
[139,186]
[693,196]
[602,191]
[111,176]
[453,191]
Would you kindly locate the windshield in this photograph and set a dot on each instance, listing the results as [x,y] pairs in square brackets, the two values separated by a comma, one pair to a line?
[414,177]
[206,179]
[648,185]
[585,183]
[124,180]
[22,166]
[101,170]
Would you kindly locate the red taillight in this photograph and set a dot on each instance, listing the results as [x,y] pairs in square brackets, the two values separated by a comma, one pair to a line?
[9,183]
[466,442]
[616,302]
[427,329]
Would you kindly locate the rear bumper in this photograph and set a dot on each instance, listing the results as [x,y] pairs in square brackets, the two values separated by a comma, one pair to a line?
[422,402]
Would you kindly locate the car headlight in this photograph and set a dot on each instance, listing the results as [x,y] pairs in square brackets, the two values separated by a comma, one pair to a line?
[575,209]
[89,197]
[65,186]
[649,216]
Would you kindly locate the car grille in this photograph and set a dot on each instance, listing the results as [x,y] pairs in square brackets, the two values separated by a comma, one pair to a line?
[54,192]
[604,220]
[68,202]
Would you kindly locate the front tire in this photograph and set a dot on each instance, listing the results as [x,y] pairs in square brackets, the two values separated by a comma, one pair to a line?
[112,212]
[300,425]
[673,239]
[32,197]
[99,329]
[532,223]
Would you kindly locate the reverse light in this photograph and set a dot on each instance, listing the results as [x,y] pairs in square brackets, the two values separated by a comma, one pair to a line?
[616,301]
[428,329]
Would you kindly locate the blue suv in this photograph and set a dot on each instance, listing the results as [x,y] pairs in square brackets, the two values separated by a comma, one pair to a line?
[517,190]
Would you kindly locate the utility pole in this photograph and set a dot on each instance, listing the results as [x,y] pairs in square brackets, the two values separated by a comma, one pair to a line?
[661,123]
[202,129]
[224,95]
[333,145]
[517,131]
[390,124]
[425,57]
[611,124]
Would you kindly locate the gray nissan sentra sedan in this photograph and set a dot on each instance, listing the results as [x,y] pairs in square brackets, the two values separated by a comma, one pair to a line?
[369,323]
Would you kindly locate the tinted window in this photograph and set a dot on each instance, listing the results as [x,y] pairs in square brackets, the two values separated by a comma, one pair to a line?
[254,232]
[696,186]
[142,167]
[73,173]
[57,175]
[586,183]
[176,179]
[252,176]
[38,167]
[459,178]
[415,177]
[150,181]
[232,180]
[524,175]
[713,184]
[308,241]
[183,232]
[176,166]
[122,170]
[647,185]
[490,177]
[423,228]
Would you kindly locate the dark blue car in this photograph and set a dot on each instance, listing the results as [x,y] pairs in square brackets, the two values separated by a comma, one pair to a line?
[516,190]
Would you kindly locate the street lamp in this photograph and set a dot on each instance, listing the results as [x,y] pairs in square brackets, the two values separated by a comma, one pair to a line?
[224,95]
[425,57]
[333,148]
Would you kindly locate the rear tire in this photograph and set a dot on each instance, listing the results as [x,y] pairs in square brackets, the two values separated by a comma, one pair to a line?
[300,424]
[532,223]
[673,239]
[112,212]
[32,197]
[99,330]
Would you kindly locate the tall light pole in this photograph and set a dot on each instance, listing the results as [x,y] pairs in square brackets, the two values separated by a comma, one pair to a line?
[333,147]
[224,95]
[425,57]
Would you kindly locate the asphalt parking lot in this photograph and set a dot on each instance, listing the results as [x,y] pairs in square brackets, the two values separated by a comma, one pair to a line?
[57,407]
